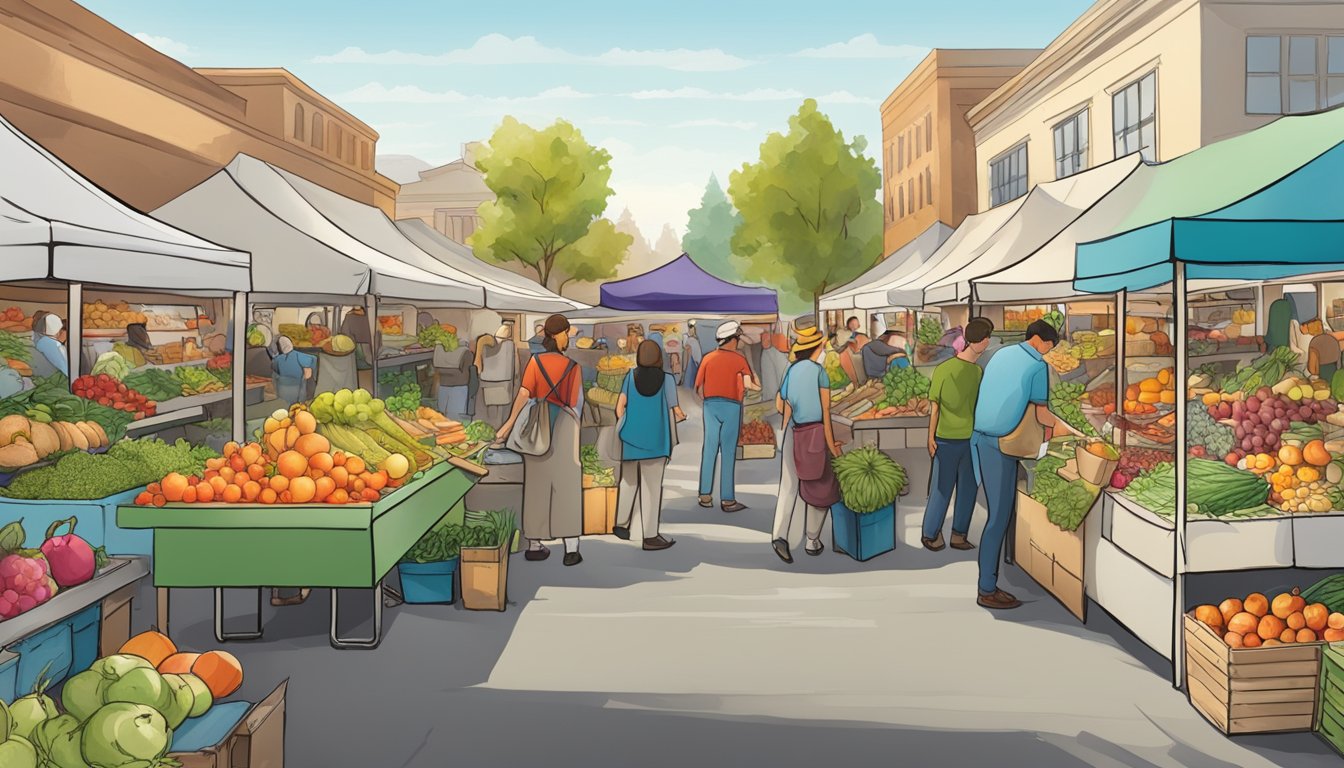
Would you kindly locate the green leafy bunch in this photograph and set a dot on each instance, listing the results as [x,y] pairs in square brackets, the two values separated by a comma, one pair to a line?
[869,479]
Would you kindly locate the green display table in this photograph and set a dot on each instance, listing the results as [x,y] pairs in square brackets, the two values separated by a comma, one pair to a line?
[348,546]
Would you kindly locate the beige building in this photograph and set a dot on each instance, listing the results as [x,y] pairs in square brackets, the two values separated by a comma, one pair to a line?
[927,146]
[446,197]
[1160,77]
[147,128]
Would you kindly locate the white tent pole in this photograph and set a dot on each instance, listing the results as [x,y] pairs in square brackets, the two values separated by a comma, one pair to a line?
[371,310]
[1179,322]
[239,365]
[74,328]
[1121,312]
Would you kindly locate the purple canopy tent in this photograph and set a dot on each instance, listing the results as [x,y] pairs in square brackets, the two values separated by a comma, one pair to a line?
[681,286]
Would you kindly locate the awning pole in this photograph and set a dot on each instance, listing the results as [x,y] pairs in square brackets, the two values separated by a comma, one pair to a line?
[239,366]
[371,312]
[74,328]
[1179,323]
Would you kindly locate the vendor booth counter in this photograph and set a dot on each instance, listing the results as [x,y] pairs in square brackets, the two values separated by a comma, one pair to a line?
[348,546]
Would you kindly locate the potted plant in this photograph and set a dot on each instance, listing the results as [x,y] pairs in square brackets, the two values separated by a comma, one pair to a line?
[427,569]
[486,541]
[864,520]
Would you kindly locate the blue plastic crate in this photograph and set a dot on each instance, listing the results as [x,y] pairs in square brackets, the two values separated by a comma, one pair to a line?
[863,537]
[426,583]
[97,522]
[58,651]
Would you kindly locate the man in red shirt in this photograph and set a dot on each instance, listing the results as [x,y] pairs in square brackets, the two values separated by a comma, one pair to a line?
[723,378]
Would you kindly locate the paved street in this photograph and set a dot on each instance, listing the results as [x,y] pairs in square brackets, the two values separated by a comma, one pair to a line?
[716,653]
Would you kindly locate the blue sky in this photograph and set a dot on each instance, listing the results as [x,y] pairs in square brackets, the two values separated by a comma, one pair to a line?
[674,91]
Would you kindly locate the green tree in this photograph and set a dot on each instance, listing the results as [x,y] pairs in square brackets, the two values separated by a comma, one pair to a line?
[709,234]
[811,219]
[551,189]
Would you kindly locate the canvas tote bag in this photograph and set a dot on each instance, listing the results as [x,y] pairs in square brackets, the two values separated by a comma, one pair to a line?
[1026,439]
[531,435]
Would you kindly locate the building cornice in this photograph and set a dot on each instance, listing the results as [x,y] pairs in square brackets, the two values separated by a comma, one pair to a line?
[243,76]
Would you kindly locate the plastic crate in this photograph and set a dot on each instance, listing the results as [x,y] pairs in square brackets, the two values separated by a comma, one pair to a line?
[57,652]
[863,537]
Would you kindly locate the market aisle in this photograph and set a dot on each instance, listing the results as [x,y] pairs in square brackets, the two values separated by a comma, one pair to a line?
[716,653]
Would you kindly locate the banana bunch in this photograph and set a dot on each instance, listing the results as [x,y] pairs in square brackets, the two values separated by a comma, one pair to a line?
[869,479]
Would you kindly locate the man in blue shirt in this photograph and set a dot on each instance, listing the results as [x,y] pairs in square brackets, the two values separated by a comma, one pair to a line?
[51,354]
[1016,379]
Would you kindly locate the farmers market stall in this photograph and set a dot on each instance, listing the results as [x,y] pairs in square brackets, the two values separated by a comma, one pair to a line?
[681,287]
[869,290]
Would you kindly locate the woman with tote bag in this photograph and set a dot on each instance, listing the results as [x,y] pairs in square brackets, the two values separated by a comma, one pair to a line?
[551,393]
[647,409]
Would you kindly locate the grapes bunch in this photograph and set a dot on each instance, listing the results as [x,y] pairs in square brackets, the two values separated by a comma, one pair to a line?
[24,584]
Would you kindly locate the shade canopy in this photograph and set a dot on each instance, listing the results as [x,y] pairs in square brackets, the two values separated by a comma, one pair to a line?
[682,286]
[1049,209]
[869,290]
[960,249]
[297,248]
[54,223]
[1266,205]
[504,290]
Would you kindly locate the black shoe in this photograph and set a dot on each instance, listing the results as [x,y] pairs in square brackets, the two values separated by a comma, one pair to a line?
[620,532]
[573,558]
[658,542]
[814,552]
[732,506]
[782,549]
[537,555]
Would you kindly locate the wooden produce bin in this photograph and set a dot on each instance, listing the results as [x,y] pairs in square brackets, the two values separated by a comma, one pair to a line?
[1053,557]
[1251,690]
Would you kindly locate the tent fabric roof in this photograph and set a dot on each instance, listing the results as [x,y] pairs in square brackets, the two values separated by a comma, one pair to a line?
[503,289]
[1050,208]
[296,248]
[87,235]
[957,251]
[869,290]
[682,286]
[1261,206]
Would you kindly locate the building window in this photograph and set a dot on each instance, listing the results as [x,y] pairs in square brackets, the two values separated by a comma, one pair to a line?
[1134,118]
[1071,145]
[299,121]
[1008,176]
[919,145]
[921,191]
[910,193]
[1292,74]
[350,149]
[336,140]
[928,183]
[319,133]
[900,194]
[928,133]
[364,155]
[900,153]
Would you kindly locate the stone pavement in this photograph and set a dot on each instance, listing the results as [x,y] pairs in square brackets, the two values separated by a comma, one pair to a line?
[716,653]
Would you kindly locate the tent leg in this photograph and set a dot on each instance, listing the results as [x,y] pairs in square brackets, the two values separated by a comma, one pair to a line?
[74,328]
[1180,318]
[371,311]
[239,351]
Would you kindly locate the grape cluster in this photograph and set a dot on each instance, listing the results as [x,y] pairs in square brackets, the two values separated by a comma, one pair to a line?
[24,585]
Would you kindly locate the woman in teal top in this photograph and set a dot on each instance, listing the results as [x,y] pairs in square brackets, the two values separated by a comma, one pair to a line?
[646,407]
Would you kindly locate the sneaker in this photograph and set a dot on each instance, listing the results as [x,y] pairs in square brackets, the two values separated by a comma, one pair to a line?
[572,558]
[621,532]
[658,542]
[933,545]
[999,600]
[959,541]
[782,549]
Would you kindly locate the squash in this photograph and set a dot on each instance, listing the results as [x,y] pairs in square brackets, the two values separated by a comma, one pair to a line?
[1151,398]
[1168,396]
[220,671]
[1290,455]
[45,439]
[19,453]
[154,647]
[1314,453]
[93,436]
[12,426]
[1150,385]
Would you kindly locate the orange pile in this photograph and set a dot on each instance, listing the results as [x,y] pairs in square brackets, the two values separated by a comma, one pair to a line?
[1256,621]
[298,466]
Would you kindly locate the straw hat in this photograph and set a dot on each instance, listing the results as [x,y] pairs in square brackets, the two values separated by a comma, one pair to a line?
[807,339]
[339,345]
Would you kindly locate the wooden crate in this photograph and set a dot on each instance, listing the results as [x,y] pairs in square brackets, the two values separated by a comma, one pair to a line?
[1053,557]
[1251,690]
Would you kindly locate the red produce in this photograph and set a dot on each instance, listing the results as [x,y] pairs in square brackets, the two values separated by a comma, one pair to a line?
[70,557]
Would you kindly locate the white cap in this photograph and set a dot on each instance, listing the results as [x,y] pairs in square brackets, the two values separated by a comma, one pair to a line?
[51,325]
[728,330]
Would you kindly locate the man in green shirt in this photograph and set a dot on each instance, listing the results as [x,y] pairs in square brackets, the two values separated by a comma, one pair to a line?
[956,384]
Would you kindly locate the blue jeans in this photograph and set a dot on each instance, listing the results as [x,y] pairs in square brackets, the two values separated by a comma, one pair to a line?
[998,474]
[723,424]
[952,468]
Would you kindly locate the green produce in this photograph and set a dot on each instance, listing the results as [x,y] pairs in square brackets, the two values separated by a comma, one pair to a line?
[196,379]
[1329,591]
[489,528]
[1055,318]
[354,441]
[905,384]
[835,373]
[869,479]
[1264,371]
[181,701]
[48,735]
[126,736]
[1155,489]
[437,335]
[592,466]
[480,432]
[51,395]
[112,364]
[1202,429]
[360,409]
[440,544]
[18,752]
[202,698]
[1066,502]
[395,380]
[255,338]
[406,400]
[140,686]
[930,330]
[28,712]
[13,347]
[1066,403]
[154,383]
[126,465]
[83,694]
[1216,489]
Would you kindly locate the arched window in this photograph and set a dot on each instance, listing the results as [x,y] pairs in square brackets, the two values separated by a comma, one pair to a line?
[319,133]
[298,122]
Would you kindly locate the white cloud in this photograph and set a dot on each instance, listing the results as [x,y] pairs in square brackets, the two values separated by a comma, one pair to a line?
[758,94]
[377,93]
[865,46]
[711,122]
[617,121]
[164,44]
[495,49]
[845,97]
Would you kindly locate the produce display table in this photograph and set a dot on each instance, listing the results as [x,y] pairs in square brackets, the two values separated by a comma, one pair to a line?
[347,546]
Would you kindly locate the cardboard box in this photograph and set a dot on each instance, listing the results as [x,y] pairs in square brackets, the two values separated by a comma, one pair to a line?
[745,452]
[1251,690]
[1053,557]
[599,510]
[257,741]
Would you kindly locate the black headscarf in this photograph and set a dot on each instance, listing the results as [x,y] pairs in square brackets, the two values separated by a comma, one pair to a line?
[138,336]
[649,368]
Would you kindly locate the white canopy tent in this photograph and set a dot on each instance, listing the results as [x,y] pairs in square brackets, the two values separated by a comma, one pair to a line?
[1047,210]
[869,290]
[504,290]
[54,223]
[957,251]
[299,250]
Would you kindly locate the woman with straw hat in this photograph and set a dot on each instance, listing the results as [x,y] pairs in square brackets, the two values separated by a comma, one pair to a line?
[809,443]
